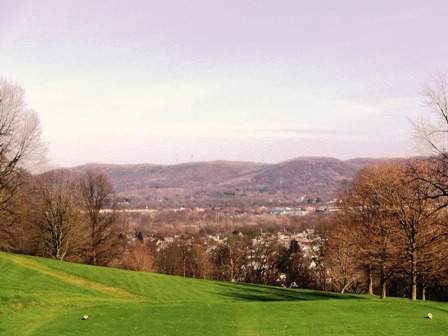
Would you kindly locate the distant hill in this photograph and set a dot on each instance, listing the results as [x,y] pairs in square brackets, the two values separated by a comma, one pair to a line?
[229,183]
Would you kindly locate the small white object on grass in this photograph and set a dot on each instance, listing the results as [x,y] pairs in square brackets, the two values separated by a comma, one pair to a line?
[429,316]
[85,317]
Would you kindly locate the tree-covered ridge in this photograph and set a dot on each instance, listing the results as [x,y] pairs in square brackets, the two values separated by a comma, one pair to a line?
[226,183]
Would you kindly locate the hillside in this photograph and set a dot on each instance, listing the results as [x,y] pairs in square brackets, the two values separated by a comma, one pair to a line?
[47,297]
[226,183]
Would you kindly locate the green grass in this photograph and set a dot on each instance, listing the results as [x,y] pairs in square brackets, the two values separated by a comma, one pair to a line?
[46,297]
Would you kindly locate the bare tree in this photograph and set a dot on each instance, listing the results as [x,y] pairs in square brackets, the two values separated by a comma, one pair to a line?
[262,259]
[394,223]
[376,236]
[343,259]
[431,137]
[418,215]
[433,264]
[230,258]
[21,148]
[171,259]
[238,246]
[136,257]
[99,205]
[431,133]
[57,216]
[403,199]
[199,261]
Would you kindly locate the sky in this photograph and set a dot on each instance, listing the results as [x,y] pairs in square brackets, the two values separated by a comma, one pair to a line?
[172,81]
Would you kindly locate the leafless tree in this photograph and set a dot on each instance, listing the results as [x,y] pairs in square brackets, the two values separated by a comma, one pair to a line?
[21,148]
[172,258]
[431,133]
[57,216]
[136,257]
[376,236]
[262,259]
[343,258]
[16,227]
[394,224]
[99,205]
[419,217]
[238,246]
[403,199]
[199,261]
[431,137]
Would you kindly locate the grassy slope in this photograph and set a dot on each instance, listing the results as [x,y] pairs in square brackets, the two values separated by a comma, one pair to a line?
[46,297]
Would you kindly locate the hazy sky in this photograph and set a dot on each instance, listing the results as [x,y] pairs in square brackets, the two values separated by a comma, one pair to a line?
[173,81]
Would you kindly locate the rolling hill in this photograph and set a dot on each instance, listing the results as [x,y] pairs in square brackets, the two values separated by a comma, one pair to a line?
[227,183]
[47,297]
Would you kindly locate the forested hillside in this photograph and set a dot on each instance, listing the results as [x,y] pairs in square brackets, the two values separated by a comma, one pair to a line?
[228,183]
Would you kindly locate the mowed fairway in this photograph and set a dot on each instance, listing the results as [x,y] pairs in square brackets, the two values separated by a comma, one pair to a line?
[45,297]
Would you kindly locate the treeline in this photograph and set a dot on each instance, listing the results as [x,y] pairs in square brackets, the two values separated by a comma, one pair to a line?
[62,215]
[391,236]
[250,256]
[53,214]
[213,221]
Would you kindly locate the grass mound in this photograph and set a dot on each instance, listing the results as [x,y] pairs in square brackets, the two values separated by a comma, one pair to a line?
[46,297]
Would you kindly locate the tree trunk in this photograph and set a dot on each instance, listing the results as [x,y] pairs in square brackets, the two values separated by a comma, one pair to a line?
[370,279]
[232,267]
[413,273]
[383,283]
[93,242]
[323,276]
[184,266]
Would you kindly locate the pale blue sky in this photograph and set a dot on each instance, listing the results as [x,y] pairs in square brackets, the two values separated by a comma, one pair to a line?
[175,81]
